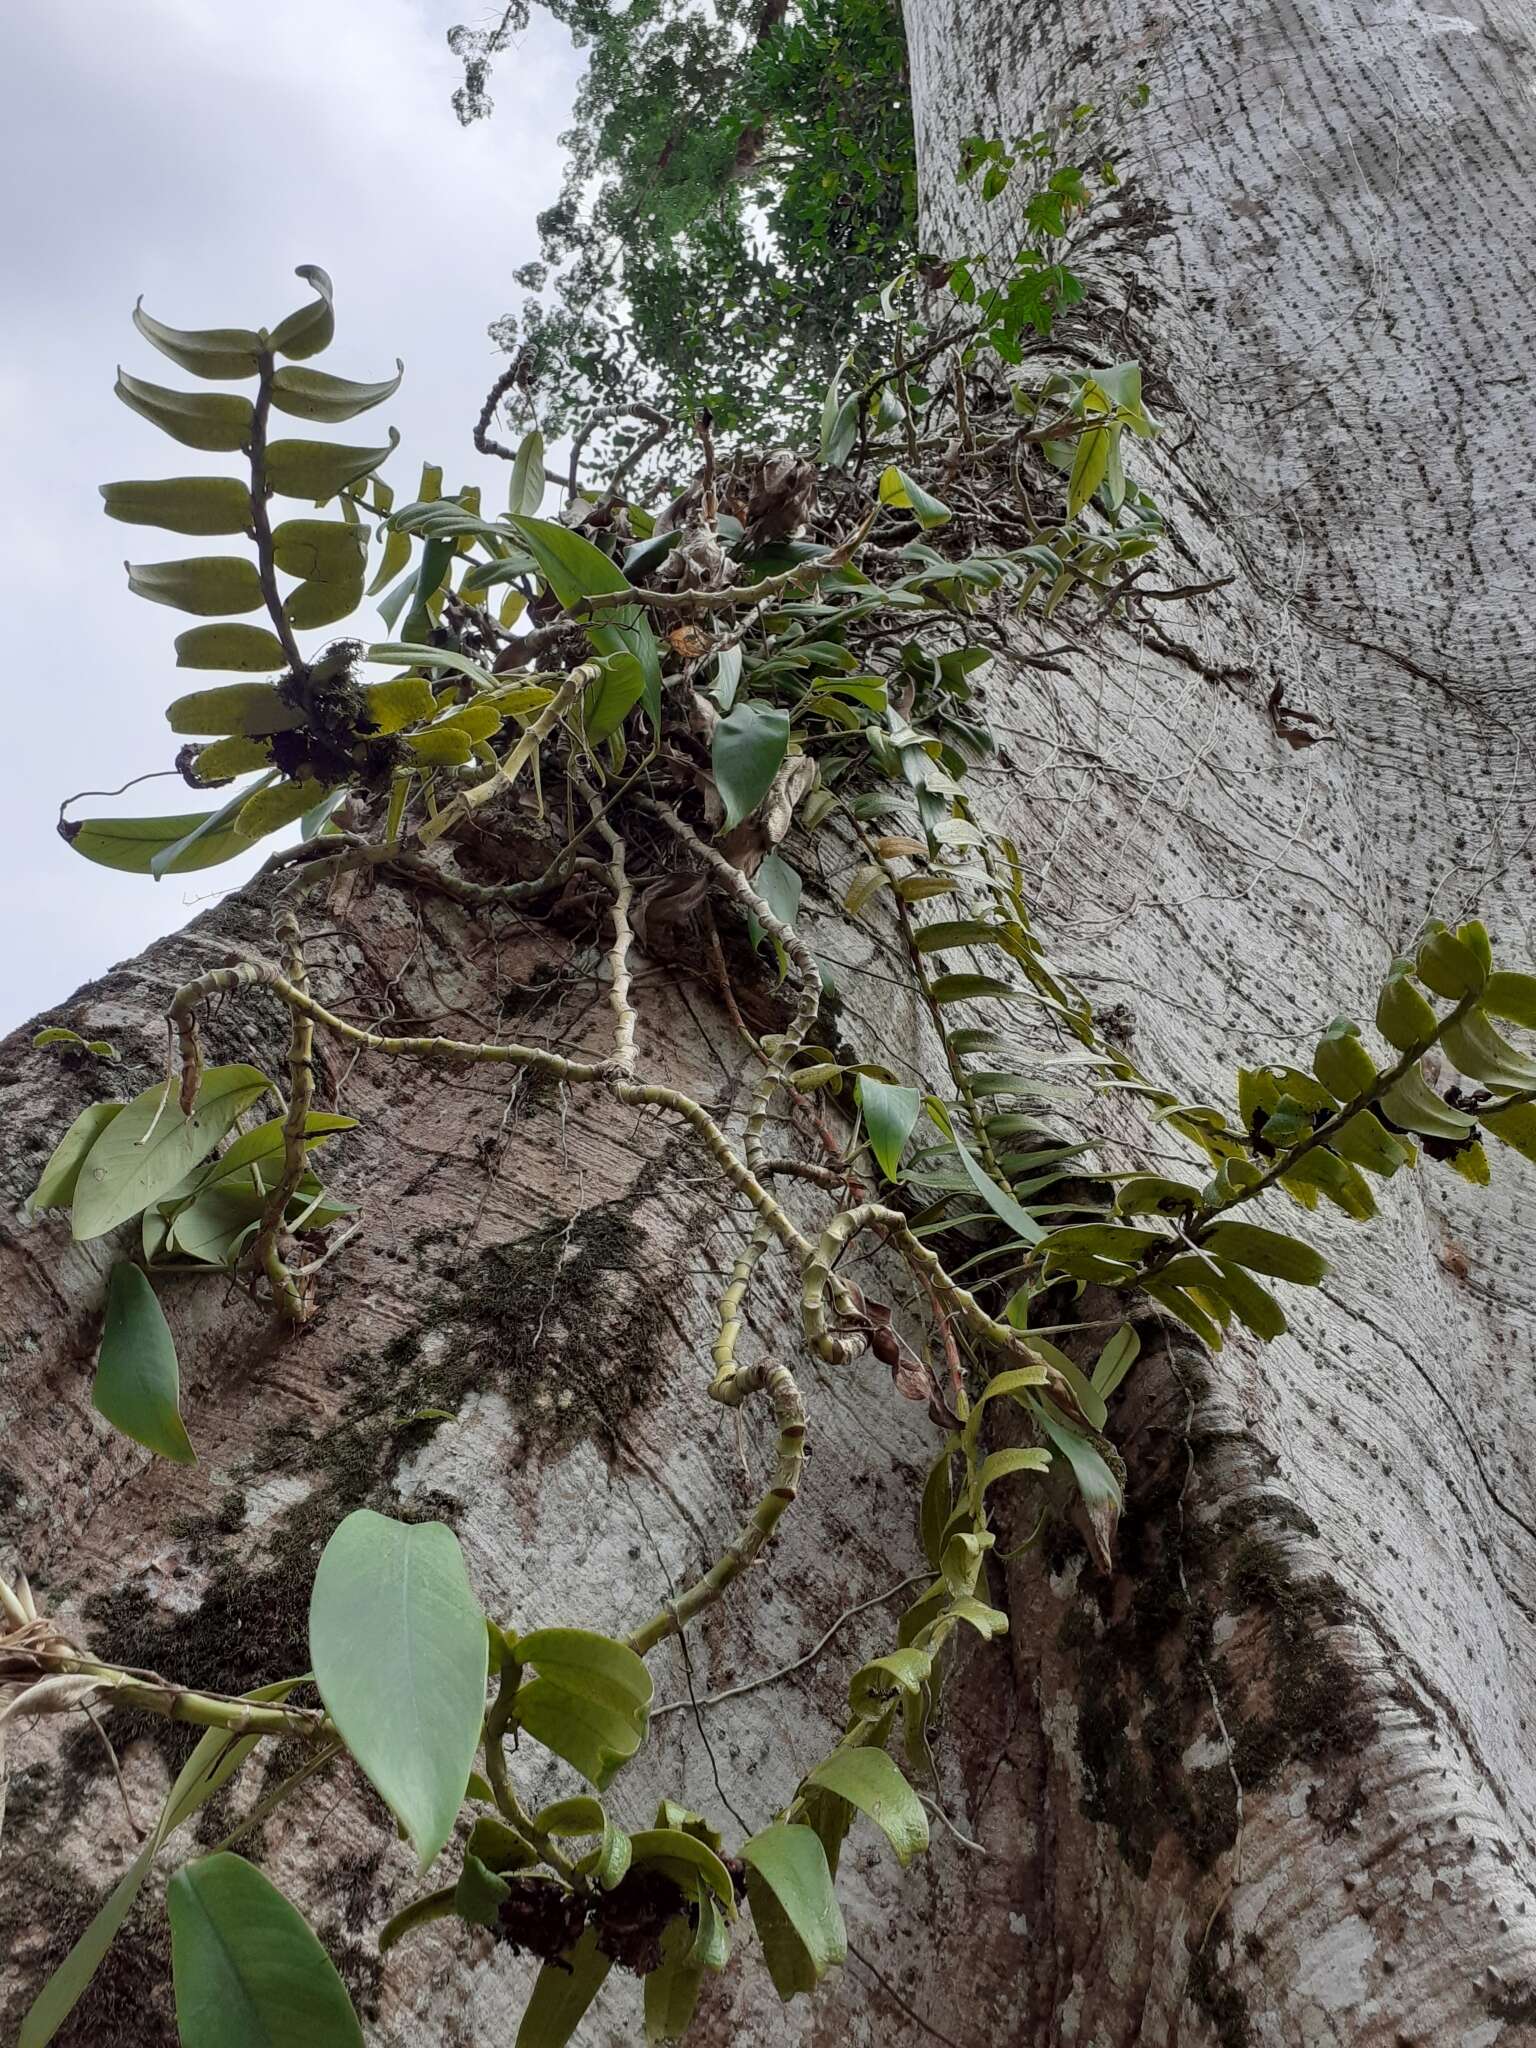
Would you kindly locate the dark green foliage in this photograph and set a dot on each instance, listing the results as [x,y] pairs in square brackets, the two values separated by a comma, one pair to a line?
[740,181]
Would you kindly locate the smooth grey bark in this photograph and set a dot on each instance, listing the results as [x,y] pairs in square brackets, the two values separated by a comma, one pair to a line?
[1339,301]
[1269,1782]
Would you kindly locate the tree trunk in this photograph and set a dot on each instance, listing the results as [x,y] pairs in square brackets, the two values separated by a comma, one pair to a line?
[1266,1783]
[1329,1574]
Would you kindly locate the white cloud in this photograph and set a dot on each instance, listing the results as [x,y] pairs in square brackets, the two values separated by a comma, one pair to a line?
[194,151]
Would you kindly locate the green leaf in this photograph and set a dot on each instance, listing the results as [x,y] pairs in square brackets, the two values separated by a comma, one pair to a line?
[562,1991]
[871,1780]
[749,745]
[1342,1063]
[395,558]
[1364,1141]
[947,933]
[182,504]
[832,407]
[228,353]
[331,550]
[1005,1464]
[214,420]
[1471,1164]
[281,803]
[399,1650]
[1450,967]
[1002,1205]
[248,1971]
[970,988]
[1116,1360]
[402,701]
[1266,1251]
[609,701]
[899,489]
[1514,1127]
[590,1702]
[794,1907]
[867,883]
[254,1151]
[1414,1106]
[672,1990]
[204,584]
[145,1151]
[214,1761]
[442,746]
[1477,1050]
[214,1223]
[241,710]
[687,1860]
[1403,1017]
[1096,1483]
[728,667]
[873,1684]
[525,493]
[480,1893]
[1254,1306]
[56,1189]
[131,844]
[499,1847]
[317,470]
[1089,465]
[312,327]
[317,395]
[57,1034]
[138,1383]
[573,568]
[889,1115]
[224,760]
[245,648]
[321,602]
[1512,996]
[1122,1241]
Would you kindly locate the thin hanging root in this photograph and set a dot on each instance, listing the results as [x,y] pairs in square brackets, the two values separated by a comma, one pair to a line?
[778,1383]
[267,1251]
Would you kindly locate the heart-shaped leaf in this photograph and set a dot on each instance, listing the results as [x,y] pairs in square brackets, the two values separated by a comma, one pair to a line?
[399,1650]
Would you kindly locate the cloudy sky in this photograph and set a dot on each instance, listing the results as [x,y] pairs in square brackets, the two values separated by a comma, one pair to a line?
[194,151]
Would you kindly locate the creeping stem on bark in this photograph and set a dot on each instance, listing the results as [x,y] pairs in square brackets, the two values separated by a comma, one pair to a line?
[778,1383]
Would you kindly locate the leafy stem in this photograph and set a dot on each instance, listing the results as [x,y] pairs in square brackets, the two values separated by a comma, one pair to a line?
[261,524]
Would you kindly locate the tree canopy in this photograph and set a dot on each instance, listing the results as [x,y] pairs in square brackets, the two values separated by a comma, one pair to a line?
[740,181]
